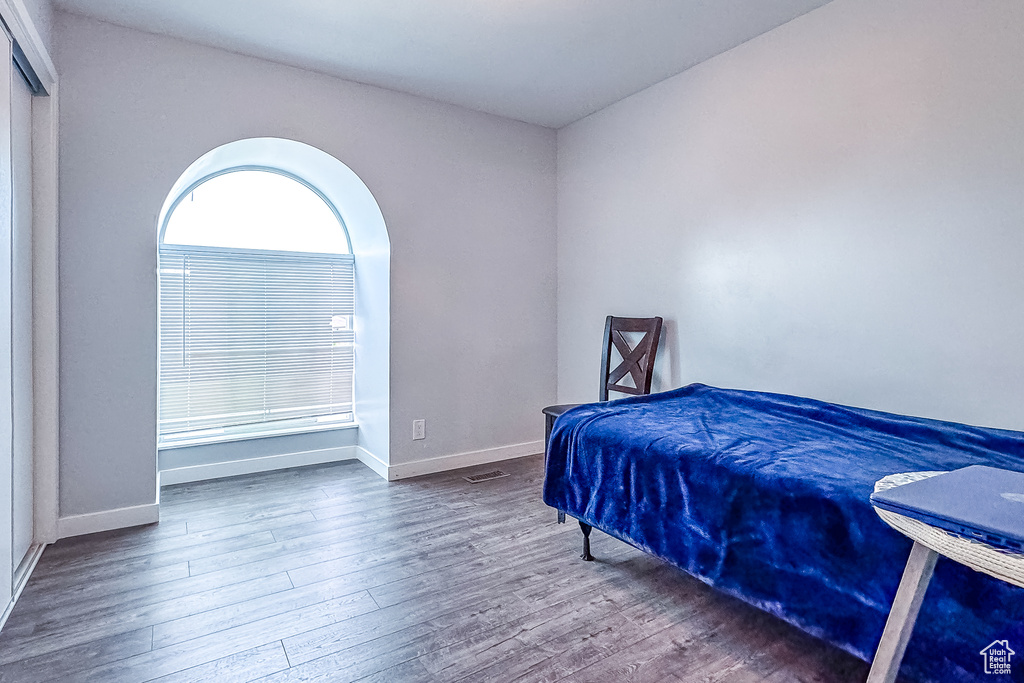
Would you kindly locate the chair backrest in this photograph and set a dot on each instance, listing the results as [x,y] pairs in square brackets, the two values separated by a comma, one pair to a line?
[637,360]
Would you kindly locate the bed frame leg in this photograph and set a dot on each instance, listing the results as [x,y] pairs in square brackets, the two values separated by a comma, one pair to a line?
[585,528]
[561,517]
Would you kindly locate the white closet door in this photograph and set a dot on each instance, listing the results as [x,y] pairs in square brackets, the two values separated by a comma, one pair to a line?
[21,314]
[6,427]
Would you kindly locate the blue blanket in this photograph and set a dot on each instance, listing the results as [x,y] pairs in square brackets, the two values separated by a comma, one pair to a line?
[765,497]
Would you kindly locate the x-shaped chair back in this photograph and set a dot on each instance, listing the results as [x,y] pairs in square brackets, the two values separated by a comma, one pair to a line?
[637,361]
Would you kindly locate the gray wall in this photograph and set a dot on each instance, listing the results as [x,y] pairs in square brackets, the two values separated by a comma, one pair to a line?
[833,209]
[469,200]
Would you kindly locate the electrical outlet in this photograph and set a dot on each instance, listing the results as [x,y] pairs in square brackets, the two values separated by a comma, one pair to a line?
[419,429]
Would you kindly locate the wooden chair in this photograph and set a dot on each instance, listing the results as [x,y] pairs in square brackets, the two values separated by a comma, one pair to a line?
[637,364]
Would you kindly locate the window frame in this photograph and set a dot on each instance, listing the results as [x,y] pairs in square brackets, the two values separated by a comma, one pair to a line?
[251,167]
[241,433]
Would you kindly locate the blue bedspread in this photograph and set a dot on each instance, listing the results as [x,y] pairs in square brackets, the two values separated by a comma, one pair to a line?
[765,496]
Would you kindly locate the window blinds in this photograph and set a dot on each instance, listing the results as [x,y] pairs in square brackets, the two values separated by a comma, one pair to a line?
[253,338]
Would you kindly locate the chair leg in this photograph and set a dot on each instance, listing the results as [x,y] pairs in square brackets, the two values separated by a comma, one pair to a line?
[585,528]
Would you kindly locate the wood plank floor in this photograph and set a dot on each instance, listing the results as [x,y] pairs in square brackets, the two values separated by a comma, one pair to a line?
[328,573]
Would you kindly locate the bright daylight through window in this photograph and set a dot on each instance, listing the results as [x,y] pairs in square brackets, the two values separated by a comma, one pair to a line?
[257,297]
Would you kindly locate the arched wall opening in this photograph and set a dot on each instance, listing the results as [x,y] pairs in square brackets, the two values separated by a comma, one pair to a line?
[368,235]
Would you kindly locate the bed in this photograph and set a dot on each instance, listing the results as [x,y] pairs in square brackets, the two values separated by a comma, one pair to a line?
[765,496]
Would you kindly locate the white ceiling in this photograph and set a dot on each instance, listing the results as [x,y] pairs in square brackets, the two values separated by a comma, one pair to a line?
[548,62]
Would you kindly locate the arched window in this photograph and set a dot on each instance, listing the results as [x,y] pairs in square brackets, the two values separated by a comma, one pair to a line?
[257,298]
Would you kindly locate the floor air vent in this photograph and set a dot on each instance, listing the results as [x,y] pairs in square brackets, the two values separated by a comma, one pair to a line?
[486,476]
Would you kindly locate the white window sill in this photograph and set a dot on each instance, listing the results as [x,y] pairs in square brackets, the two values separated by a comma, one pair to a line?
[224,438]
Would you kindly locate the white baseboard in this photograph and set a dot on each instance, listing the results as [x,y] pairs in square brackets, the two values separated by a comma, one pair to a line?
[372,461]
[219,470]
[182,475]
[21,579]
[121,518]
[456,461]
